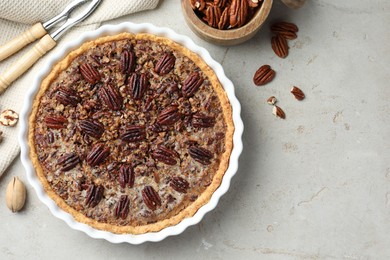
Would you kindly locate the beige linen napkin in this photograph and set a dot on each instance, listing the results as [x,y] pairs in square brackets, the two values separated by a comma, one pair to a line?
[17,16]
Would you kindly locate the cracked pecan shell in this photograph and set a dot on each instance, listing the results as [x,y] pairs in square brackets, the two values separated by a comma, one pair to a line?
[165,155]
[111,97]
[92,128]
[98,154]
[138,85]
[151,198]
[191,84]
[90,73]
[165,64]
[68,161]
[200,154]
[133,133]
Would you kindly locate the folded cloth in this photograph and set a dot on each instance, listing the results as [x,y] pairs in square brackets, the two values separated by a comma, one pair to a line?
[17,16]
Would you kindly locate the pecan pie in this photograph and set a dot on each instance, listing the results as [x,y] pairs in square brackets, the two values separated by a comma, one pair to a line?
[131,133]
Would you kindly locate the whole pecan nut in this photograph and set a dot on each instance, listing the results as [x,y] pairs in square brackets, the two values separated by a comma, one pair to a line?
[280,46]
[151,198]
[126,176]
[165,64]
[200,154]
[165,155]
[263,75]
[200,120]
[67,96]
[91,127]
[138,85]
[128,62]
[90,73]
[56,122]
[133,133]
[191,84]
[98,154]
[239,13]
[169,116]
[68,161]
[179,184]
[94,195]
[111,97]
[122,207]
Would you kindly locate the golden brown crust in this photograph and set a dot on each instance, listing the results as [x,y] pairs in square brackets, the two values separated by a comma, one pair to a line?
[192,208]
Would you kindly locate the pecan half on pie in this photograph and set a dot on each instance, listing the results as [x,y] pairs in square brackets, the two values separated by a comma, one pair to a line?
[131,133]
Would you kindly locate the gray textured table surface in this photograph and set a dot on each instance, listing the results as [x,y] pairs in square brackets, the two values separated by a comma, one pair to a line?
[313,186]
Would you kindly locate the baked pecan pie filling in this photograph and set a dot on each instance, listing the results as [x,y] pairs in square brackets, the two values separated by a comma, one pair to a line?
[130,132]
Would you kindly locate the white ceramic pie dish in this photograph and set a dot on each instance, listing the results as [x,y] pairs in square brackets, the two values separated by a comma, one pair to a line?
[59,54]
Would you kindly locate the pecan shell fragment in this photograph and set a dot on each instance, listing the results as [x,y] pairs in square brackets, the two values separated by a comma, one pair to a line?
[122,207]
[200,154]
[94,195]
[91,127]
[151,198]
[179,184]
[165,64]
[68,161]
[191,84]
[90,73]
[298,93]
[263,75]
[98,154]
[133,133]
[111,97]
[165,155]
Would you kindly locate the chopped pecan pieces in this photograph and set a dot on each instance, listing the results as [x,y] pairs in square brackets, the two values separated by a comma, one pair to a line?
[165,64]
[151,197]
[67,96]
[111,97]
[191,84]
[122,207]
[68,161]
[200,154]
[169,116]
[90,73]
[165,155]
[94,195]
[91,127]
[133,133]
[126,176]
[98,154]
[56,122]
[138,85]
[200,120]
[128,62]
[179,184]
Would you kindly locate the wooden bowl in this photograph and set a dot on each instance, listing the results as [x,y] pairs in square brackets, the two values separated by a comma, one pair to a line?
[226,37]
